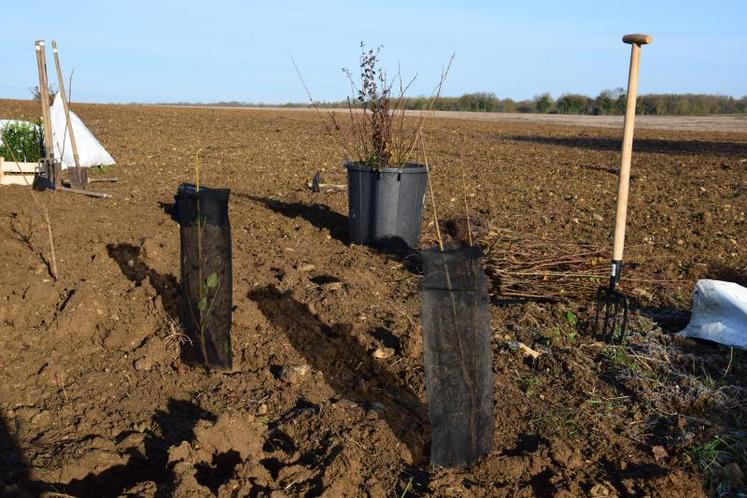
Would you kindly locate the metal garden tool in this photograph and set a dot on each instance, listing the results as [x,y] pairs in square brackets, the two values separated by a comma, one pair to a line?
[612,305]
[317,185]
[79,175]
[50,171]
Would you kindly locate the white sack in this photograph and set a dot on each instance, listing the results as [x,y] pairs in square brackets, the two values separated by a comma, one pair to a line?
[90,151]
[719,313]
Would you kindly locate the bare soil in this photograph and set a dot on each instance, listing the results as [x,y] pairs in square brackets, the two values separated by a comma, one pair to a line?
[736,123]
[94,400]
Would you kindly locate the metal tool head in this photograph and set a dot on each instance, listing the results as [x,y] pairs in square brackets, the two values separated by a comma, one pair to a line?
[611,319]
[316,182]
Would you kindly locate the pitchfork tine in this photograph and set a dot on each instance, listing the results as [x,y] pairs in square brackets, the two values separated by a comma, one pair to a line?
[609,329]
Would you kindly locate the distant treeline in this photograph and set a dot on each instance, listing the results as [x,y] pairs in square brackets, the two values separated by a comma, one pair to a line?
[606,103]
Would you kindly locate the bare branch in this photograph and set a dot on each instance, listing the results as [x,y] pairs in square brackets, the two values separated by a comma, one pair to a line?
[45,214]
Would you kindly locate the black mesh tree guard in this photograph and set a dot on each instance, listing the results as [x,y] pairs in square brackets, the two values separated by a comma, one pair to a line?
[458,371]
[205,303]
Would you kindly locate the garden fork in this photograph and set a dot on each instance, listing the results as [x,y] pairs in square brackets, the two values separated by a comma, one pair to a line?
[611,304]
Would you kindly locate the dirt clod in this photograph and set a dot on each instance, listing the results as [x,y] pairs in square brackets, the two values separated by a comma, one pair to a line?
[733,473]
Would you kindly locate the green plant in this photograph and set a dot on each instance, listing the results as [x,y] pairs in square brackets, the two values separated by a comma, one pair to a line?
[407,488]
[712,456]
[21,141]
[553,336]
[708,453]
[572,320]
[560,334]
[572,426]
[101,168]
[710,382]
[619,357]
[571,317]
[720,450]
[530,384]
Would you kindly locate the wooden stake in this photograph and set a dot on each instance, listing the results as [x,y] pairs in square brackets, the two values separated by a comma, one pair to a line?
[41,66]
[61,82]
[89,193]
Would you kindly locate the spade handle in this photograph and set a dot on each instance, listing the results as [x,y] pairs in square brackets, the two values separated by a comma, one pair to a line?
[635,42]
[638,39]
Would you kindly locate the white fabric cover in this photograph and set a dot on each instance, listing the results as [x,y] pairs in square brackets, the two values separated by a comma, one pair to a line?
[90,151]
[719,313]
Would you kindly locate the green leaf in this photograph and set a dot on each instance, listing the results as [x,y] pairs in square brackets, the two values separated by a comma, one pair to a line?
[571,317]
[212,281]
[202,304]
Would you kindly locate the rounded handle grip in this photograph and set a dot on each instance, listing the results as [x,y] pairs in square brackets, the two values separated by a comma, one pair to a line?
[638,39]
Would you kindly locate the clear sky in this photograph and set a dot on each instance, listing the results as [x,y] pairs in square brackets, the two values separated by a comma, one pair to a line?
[207,51]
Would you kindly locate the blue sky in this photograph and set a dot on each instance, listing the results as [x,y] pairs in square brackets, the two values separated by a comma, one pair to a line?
[206,51]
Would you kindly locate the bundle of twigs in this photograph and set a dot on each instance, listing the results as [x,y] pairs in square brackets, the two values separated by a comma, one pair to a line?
[522,267]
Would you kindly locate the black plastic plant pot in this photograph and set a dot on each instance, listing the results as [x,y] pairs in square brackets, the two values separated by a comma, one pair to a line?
[457,355]
[385,205]
[206,301]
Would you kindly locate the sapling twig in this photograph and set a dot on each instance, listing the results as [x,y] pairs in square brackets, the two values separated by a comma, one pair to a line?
[45,214]
[460,345]
[434,97]
[64,133]
[430,188]
[315,106]
[205,286]
[197,169]
[201,303]
[464,189]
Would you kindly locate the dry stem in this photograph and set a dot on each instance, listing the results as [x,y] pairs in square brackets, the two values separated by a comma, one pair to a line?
[548,269]
[430,188]
[464,190]
[45,214]
[197,169]
[376,132]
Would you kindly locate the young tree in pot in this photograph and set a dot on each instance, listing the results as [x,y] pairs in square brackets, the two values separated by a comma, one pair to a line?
[205,303]
[385,189]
